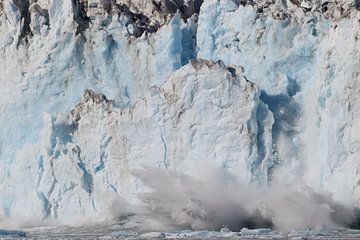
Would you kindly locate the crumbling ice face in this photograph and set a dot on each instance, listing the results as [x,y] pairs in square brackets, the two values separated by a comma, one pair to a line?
[140,16]
[143,16]
[202,115]
[159,10]
[297,9]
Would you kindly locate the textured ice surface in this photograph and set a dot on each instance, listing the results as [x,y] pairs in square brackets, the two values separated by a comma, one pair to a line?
[87,103]
[116,232]
[181,124]
[45,77]
[308,72]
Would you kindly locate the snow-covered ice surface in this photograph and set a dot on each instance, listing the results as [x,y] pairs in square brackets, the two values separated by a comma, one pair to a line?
[240,114]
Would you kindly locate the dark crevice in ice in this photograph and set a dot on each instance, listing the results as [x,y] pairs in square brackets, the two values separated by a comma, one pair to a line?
[42,12]
[357,4]
[80,16]
[293,87]
[261,116]
[139,21]
[197,5]
[286,113]
[188,45]
[25,19]
[87,178]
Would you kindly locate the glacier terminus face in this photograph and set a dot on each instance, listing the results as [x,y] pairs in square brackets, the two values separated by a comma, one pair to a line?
[176,115]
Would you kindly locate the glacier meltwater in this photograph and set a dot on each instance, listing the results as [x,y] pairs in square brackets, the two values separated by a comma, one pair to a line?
[176,115]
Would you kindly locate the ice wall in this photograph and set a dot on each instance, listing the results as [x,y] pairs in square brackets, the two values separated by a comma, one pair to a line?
[85,159]
[307,68]
[50,70]
[93,91]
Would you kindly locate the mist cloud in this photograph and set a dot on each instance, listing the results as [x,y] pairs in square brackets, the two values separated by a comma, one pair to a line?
[216,199]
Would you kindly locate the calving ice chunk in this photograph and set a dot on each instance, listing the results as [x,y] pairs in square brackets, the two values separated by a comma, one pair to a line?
[204,115]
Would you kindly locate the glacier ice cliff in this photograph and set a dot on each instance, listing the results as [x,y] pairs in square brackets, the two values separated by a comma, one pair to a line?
[97,95]
[308,73]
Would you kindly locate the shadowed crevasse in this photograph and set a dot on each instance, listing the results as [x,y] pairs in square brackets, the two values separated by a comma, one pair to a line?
[357,4]
[25,30]
[80,16]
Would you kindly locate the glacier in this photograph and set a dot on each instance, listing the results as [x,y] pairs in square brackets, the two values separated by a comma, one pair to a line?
[180,111]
